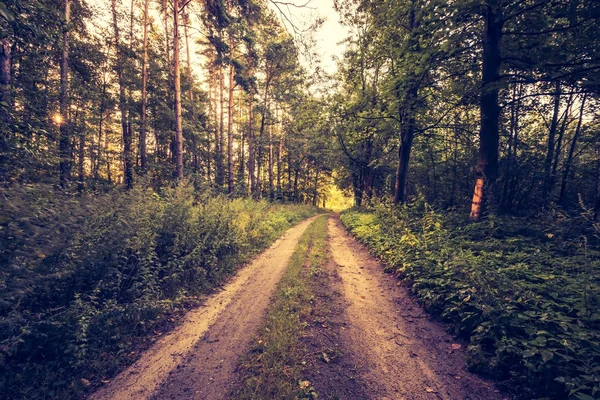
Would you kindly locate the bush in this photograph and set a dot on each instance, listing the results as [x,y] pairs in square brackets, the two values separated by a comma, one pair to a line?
[85,281]
[526,293]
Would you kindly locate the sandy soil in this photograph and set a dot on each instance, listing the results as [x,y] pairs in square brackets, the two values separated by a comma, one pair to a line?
[399,353]
[198,359]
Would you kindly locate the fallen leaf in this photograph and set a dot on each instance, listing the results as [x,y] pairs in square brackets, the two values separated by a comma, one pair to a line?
[429,390]
[456,346]
[326,358]
[85,382]
[362,297]
[304,384]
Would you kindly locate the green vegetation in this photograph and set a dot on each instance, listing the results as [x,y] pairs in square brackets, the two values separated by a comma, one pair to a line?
[87,281]
[525,291]
[273,368]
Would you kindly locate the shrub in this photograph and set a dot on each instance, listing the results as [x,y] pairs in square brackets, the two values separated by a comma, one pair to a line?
[87,280]
[526,293]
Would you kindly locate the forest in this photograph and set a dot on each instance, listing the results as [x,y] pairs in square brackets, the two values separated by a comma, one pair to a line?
[149,149]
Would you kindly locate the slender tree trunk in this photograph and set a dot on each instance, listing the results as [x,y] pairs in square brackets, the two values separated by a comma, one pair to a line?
[487,169]
[316,189]
[251,146]
[279,165]
[5,81]
[270,173]
[230,187]
[177,84]
[569,162]
[81,161]
[561,133]
[128,167]
[221,139]
[512,145]
[143,124]
[548,178]
[261,134]
[64,149]
[403,160]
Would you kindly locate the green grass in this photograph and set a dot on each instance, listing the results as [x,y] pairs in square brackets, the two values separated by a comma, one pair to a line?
[525,292]
[273,369]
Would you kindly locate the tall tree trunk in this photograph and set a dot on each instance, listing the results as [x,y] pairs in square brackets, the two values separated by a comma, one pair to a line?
[143,124]
[221,155]
[515,110]
[177,84]
[64,149]
[487,169]
[128,165]
[316,189]
[271,175]
[251,145]
[561,134]
[81,161]
[407,136]
[548,178]
[5,81]
[279,164]
[261,134]
[569,162]
[407,117]
[230,187]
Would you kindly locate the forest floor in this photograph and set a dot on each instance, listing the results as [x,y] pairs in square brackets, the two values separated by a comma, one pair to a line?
[380,342]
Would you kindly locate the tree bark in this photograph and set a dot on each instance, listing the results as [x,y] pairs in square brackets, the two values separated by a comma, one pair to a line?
[64,148]
[177,84]
[548,178]
[127,160]
[407,137]
[487,169]
[271,159]
[143,124]
[230,187]
[5,81]
[251,146]
[569,162]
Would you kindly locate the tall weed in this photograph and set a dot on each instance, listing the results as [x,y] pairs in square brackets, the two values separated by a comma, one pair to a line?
[86,281]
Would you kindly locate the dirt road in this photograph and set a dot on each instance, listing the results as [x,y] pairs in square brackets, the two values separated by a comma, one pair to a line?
[198,359]
[399,353]
[389,348]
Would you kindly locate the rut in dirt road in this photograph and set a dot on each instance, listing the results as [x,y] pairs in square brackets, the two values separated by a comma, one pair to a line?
[399,352]
[198,359]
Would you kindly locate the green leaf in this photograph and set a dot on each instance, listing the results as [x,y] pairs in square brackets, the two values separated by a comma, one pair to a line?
[5,13]
[547,355]
[583,396]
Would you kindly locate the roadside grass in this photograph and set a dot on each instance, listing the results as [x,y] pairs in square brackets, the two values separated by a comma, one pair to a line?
[526,292]
[88,283]
[273,369]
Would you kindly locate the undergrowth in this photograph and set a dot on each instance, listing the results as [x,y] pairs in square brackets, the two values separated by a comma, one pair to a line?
[273,369]
[87,282]
[526,292]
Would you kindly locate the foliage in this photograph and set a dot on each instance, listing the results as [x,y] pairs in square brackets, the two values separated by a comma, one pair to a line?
[87,281]
[525,291]
[273,368]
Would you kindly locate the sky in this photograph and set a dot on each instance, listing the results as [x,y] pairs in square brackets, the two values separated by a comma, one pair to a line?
[329,34]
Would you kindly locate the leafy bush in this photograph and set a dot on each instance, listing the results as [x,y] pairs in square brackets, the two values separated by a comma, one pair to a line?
[86,281]
[526,292]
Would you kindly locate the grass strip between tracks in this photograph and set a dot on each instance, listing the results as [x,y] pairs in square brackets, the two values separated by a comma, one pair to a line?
[274,366]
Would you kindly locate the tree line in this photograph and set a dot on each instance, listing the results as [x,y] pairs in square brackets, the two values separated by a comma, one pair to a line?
[493,101]
[98,94]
